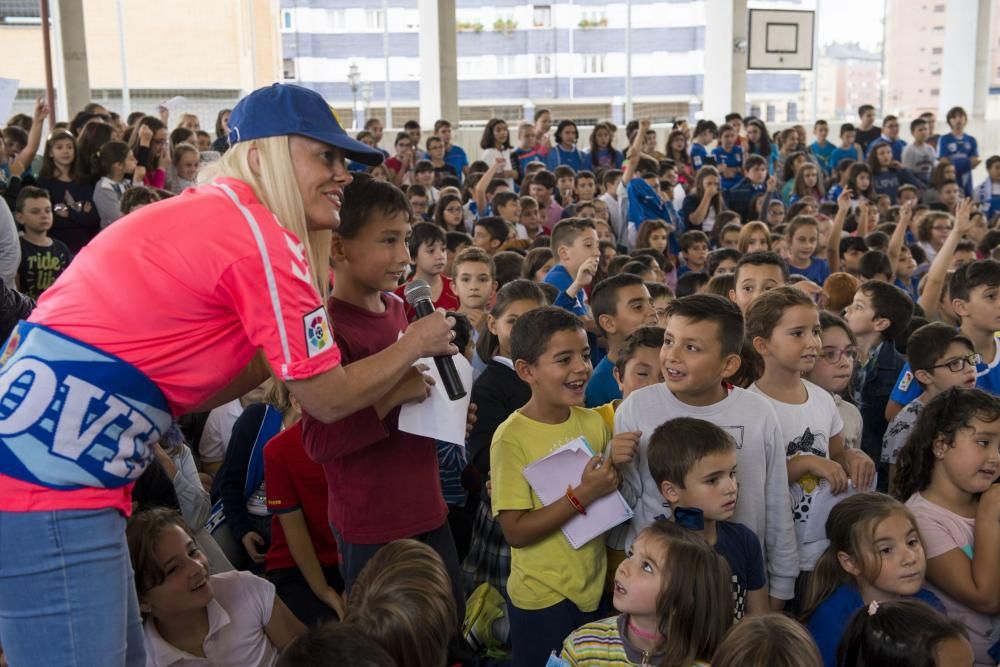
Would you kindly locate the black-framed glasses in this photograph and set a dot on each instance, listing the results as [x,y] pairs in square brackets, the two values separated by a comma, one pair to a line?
[833,355]
[958,365]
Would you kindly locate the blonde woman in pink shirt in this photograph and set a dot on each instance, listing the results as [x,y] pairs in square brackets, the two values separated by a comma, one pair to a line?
[178,307]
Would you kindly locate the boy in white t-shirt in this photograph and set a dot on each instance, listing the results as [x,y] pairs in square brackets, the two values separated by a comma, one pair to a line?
[701,345]
[783,326]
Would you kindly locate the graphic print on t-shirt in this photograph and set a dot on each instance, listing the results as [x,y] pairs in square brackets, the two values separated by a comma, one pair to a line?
[802,488]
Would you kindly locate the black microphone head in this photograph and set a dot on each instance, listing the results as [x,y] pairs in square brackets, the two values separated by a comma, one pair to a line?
[417,290]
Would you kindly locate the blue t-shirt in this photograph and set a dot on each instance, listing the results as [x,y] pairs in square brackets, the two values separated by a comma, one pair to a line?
[741,549]
[960,150]
[456,157]
[602,387]
[606,157]
[559,276]
[987,378]
[839,154]
[823,155]
[698,155]
[828,622]
[559,156]
[817,271]
[740,197]
[730,158]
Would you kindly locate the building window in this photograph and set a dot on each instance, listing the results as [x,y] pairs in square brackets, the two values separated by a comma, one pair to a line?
[541,16]
[288,69]
[937,50]
[467,67]
[373,19]
[337,19]
[793,112]
[506,65]
[594,18]
[770,113]
[939,9]
[593,64]
[287,21]
[935,91]
[543,64]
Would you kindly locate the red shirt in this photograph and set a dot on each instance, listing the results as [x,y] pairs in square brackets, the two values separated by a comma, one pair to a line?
[383,483]
[296,482]
[448,301]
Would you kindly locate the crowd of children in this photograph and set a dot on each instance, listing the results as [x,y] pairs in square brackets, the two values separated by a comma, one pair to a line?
[782,355]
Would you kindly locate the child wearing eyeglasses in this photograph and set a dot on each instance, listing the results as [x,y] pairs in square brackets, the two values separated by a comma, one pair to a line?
[834,369]
[941,357]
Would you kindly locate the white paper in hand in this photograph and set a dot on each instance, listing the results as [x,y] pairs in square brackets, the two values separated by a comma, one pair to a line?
[439,417]
[174,103]
[549,477]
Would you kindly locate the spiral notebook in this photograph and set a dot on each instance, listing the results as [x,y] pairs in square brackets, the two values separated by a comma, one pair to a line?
[549,476]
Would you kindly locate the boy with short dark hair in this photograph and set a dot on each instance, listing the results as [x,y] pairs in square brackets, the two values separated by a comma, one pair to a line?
[741,195]
[543,185]
[694,252]
[474,284]
[879,313]
[803,237]
[852,249]
[919,157]
[429,255]
[848,149]
[875,265]
[454,155]
[728,157]
[577,251]
[507,206]
[455,242]
[610,180]
[890,136]
[530,219]
[43,259]
[693,463]
[822,149]
[940,358]
[620,304]
[419,203]
[383,482]
[960,148]
[701,350]
[490,233]
[553,588]
[756,273]
[584,190]
[867,131]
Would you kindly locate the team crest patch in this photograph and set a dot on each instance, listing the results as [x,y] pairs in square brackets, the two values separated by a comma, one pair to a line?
[905,381]
[318,336]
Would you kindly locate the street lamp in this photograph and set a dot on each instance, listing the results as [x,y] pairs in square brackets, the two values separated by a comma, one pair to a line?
[367,91]
[354,77]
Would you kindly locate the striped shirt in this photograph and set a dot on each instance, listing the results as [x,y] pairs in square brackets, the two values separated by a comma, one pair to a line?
[602,644]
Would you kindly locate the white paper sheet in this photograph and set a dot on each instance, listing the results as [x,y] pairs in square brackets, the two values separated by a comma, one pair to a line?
[549,477]
[439,417]
[174,103]
[822,503]
[8,91]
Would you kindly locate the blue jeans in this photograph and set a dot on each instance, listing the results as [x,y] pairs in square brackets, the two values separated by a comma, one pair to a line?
[535,633]
[67,594]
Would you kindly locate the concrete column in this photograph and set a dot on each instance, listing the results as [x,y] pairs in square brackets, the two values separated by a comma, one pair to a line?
[725,80]
[965,71]
[438,62]
[72,38]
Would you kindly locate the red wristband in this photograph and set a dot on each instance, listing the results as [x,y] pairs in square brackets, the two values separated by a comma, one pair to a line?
[574,501]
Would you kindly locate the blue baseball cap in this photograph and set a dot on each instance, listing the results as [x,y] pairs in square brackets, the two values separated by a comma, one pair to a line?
[284,108]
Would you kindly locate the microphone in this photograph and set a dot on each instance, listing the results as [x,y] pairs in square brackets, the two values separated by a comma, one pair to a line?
[418,295]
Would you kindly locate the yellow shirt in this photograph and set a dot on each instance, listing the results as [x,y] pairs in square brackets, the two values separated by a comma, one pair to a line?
[550,571]
[607,412]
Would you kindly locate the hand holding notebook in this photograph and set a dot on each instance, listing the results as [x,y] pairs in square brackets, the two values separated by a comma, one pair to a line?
[549,478]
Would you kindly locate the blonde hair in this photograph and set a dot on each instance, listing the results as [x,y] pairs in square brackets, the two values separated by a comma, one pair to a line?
[747,232]
[771,640]
[403,599]
[276,188]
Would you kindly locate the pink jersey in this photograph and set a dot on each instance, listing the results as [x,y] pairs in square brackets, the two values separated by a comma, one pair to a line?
[187,290]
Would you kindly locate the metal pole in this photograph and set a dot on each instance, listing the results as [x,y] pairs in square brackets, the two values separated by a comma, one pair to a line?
[50,93]
[628,60]
[815,91]
[385,54]
[126,96]
[881,73]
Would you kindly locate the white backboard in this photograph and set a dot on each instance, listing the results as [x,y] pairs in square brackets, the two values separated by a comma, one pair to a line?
[781,39]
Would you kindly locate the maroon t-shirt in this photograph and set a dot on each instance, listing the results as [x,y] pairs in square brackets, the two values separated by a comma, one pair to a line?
[383,483]
[296,482]
[447,301]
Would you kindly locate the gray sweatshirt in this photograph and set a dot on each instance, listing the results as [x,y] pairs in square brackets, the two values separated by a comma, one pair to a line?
[764,505]
[10,245]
